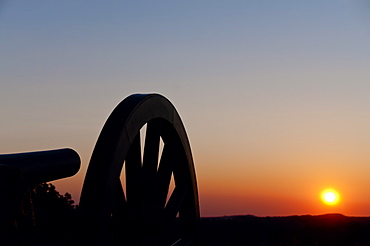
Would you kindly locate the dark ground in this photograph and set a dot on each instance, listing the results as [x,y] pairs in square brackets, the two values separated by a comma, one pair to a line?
[325,230]
[329,229]
[45,217]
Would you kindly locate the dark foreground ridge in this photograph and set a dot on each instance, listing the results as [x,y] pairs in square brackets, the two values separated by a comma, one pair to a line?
[328,229]
[52,219]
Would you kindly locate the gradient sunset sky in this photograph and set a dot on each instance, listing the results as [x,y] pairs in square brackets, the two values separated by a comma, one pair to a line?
[274,95]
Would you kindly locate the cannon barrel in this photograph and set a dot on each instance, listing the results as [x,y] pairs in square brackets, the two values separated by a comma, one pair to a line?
[44,166]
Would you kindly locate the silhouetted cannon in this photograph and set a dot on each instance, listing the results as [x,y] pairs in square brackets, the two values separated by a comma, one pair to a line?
[42,166]
[20,172]
[125,198]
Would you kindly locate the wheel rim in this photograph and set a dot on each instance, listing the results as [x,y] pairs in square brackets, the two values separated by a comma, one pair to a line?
[139,212]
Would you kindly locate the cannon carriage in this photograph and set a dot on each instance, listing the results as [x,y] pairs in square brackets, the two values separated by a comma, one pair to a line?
[135,205]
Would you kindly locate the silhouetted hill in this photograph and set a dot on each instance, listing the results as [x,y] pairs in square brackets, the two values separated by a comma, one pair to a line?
[49,218]
[328,229]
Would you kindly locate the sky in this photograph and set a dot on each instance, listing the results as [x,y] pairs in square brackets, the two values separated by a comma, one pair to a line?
[274,95]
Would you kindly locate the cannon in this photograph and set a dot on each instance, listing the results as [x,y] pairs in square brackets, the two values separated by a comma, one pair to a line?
[20,172]
[125,198]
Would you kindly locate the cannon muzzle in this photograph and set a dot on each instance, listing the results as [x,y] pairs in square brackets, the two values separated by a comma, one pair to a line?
[43,166]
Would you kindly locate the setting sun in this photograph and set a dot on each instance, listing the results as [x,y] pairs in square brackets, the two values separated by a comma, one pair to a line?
[330,197]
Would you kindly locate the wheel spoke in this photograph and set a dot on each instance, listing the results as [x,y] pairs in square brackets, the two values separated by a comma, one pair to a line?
[151,148]
[164,172]
[134,176]
[150,163]
[120,209]
[121,217]
[174,203]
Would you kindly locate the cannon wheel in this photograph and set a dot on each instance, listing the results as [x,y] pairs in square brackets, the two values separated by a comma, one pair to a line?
[138,210]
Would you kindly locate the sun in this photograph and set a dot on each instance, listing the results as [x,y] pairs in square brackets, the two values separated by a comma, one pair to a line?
[330,197]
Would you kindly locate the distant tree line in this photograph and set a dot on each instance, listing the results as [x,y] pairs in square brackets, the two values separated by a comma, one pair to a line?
[305,230]
[46,217]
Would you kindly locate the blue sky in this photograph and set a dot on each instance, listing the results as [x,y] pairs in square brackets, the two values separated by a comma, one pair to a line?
[268,83]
